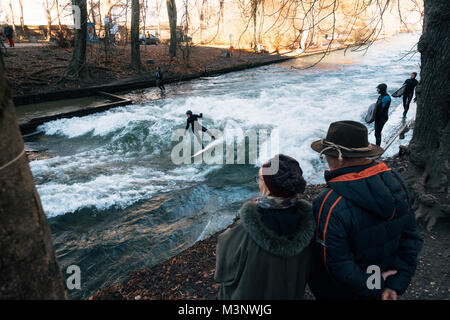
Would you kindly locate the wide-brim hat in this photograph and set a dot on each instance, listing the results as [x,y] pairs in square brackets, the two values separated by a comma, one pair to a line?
[347,139]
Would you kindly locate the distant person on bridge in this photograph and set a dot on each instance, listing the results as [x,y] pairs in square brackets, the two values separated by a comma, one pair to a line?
[160,80]
[192,120]
[381,111]
[408,94]
[9,35]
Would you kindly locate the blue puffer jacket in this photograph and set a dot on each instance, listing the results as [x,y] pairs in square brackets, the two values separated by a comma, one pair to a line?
[364,217]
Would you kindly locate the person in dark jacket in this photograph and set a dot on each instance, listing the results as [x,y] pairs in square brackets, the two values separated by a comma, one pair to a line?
[160,79]
[192,120]
[381,111]
[8,31]
[267,254]
[410,84]
[366,242]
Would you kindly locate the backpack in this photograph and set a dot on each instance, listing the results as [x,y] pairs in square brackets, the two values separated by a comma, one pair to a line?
[370,116]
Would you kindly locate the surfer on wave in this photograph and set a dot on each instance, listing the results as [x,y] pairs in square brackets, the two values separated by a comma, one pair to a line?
[192,120]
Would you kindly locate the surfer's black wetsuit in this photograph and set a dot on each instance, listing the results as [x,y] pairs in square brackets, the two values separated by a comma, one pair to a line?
[408,93]
[193,122]
[381,113]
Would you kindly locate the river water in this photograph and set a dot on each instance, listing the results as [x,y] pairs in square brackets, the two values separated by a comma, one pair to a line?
[115,200]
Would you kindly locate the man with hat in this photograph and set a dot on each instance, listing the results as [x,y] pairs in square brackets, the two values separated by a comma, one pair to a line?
[366,243]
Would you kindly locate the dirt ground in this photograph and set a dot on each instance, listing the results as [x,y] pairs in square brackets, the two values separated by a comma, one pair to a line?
[41,69]
[190,274]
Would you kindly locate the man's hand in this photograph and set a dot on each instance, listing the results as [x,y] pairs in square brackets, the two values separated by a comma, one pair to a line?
[389,294]
[388,273]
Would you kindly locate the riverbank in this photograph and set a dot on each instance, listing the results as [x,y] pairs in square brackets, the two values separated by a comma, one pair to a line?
[37,73]
[190,274]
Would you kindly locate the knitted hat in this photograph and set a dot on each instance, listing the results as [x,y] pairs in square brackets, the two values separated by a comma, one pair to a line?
[288,180]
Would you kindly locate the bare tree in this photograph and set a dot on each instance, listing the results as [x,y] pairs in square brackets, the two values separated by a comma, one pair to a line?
[29,269]
[12,15]
[135,45]
[429,150]
[172,13]
[77,67]
[22,23]
[186,40]
[49,4]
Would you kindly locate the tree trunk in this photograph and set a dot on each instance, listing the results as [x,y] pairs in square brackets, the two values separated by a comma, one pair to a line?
[28,266]
[254,11]
[22,23]
[12,16]
[429,150]
[172,12]
[48,10]
[135,46]
[77,67]
[202,20]
[58,14]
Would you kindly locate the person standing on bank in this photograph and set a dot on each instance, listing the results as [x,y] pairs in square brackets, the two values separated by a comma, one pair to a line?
[9,33]
[160,79]
[366,244]
[267,254]
[381,111]
[410,84]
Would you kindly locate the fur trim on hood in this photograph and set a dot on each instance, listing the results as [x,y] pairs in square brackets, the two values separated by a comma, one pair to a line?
[269,240]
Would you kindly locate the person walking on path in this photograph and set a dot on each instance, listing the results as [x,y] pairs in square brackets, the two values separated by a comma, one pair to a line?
[410,84]
[160,79]
[381,111]
[9,32]
[366,243]
[267,254]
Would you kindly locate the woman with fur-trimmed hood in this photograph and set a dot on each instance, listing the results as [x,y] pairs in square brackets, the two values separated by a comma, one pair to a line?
[267,254]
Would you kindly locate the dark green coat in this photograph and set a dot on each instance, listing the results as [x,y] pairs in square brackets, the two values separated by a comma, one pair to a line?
[253,262]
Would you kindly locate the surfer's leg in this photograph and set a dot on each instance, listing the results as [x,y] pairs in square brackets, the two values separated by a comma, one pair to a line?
[410,96]
[406,101]
[208,132]
[377,133]
[199,139]
[379,124]
[405,105]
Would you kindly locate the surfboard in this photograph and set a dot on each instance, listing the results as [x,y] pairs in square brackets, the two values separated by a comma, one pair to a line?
[209,146]
[399,92]
[370,116]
